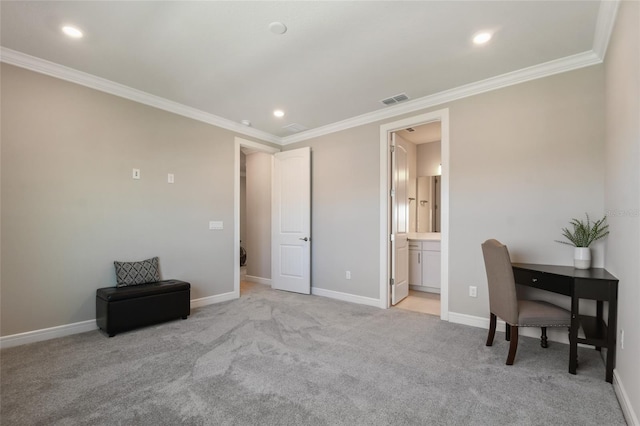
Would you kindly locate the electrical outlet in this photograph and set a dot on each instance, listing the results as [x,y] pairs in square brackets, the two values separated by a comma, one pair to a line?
[170,178]
[473,291]
[621,339]
[347,275]
[136,173]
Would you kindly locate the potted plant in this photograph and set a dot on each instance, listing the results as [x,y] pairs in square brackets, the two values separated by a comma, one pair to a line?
[582,236]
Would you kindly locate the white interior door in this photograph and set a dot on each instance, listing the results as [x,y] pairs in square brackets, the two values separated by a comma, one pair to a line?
[291,221]
[400,222]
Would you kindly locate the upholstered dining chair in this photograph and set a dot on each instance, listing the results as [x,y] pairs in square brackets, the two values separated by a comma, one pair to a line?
[504,303]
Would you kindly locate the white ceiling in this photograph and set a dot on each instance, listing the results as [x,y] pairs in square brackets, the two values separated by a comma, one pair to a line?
[218,61]
[430,132]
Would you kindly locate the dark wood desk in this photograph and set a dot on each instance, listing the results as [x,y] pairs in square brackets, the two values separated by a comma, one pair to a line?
[594,284]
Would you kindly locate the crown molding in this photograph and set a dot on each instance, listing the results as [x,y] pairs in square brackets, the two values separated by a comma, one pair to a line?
[604,26]
[52,69]
[546,69]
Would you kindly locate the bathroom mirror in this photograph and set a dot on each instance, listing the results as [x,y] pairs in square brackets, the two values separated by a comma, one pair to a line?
[428,204]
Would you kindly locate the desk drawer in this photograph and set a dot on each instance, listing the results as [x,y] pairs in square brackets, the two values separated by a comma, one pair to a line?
[545,281]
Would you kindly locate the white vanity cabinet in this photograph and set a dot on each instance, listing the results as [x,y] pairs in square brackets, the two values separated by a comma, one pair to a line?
[424,265]
[415,263]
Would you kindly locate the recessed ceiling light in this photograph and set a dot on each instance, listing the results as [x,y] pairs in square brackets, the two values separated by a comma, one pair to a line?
[72,31]
[482,38]
[278,113]
[277,28]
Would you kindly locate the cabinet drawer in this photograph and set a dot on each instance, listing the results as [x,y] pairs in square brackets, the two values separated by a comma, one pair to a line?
[545,281]
[415,245]
[431,245]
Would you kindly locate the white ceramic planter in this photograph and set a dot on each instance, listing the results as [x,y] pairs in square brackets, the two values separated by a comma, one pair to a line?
[582,258]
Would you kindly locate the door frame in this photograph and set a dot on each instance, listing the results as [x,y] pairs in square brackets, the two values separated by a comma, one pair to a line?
[238,144]
[385,224]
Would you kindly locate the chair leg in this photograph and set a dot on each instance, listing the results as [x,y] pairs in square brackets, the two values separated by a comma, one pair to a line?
[507,332]
[492,329]
[514,344]
[543,338]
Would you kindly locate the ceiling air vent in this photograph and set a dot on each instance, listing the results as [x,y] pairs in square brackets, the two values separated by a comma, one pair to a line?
[295,128]
[395,99]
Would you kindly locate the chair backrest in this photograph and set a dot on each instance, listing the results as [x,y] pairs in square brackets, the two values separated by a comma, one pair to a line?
[503,300]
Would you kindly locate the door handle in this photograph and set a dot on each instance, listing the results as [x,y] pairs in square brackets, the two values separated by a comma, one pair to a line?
[304,239]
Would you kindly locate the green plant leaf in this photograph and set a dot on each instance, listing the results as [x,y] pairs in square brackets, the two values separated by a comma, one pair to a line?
[585,233]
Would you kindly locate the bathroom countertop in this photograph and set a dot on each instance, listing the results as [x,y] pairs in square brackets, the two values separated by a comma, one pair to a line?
[424,236]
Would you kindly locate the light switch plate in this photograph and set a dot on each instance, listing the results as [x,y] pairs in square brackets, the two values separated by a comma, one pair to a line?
[170,178]
[136,173]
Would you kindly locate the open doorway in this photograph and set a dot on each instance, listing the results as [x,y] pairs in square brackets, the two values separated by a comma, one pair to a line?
[420,204]
[387,255]
[252,207]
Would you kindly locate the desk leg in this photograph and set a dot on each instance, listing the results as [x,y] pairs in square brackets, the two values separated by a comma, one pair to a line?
[573,335]
[612,329]
[600,317]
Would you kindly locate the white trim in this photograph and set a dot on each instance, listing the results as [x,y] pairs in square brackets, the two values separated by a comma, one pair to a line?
[47,333]
[258,280]
[236,216]
[210,300]
[623,398]
[473,321]
[42,66]
[604,26]
[385,172]
[442,116]
[557,66]
[238,144]
[257,146]
[89,325]
[606,18]
[346,297]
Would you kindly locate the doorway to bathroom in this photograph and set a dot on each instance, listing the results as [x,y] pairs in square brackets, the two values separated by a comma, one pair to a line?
[396,208]
[420,203]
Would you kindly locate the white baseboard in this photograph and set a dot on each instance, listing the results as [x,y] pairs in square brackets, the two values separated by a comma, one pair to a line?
[627,409]
[89,325]
[47,333]
[554,334]
[258,280]
[210,300]
[345,297]
[471,320]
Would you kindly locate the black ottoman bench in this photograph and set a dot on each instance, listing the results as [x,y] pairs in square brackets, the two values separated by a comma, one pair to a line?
[125,308]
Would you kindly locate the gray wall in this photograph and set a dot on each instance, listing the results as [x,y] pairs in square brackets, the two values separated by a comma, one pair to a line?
[345,210]
[258,244]
[70,206]
[622,188]
[429,158]
[524,160]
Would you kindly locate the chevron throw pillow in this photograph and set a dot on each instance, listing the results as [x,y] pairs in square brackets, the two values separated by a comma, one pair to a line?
[134,273]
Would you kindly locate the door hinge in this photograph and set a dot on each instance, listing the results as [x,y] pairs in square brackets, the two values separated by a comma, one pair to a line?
[392,281]
[392,193]
[393,148]
[392,237]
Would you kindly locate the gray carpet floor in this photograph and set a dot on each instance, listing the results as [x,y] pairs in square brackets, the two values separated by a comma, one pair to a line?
[277,358]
